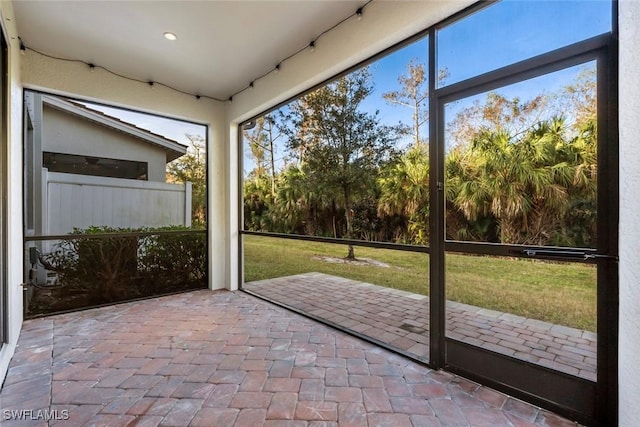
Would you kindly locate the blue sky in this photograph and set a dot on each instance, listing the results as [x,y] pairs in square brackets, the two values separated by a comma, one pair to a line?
[494,37]
[509,32]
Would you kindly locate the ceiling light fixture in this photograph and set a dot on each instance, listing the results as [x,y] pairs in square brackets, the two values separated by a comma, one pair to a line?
[312,46]
[359,14]
[170,36]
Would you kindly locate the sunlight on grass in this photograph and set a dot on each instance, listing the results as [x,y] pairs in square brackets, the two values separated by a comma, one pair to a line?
[564,294]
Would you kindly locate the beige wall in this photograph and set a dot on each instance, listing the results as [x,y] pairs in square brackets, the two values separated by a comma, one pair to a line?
[14,202]
[66,133]
[629,111]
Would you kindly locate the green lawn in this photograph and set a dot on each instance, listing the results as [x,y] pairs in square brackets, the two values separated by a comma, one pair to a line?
[559,293]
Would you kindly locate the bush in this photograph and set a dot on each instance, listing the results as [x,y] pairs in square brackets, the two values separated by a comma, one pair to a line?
[106,267]
[93,271]
[174,260]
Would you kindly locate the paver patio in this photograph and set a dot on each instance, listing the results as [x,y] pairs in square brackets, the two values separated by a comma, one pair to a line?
[229,359]
[401,319]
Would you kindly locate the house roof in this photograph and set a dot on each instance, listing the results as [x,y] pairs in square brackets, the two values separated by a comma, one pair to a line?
[172,148]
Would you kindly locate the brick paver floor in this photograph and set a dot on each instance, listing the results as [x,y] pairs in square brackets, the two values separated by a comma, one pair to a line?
[229,359]
[401,319]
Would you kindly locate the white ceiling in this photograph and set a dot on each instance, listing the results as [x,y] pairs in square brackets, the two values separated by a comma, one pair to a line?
[221,46]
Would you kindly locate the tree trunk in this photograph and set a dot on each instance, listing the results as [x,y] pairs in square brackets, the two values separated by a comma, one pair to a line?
[347,208]
[351,254]
[416,121]
[273,161]
[335,233]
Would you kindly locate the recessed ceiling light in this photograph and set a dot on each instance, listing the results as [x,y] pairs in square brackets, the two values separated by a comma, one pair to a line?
[170,36]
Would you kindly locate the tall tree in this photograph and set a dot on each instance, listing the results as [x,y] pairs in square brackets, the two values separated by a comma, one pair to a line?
[511,115]
[344,145]
[579,100]
[262,143]
[414,94]
[305,139]
[579,97]
[192,167]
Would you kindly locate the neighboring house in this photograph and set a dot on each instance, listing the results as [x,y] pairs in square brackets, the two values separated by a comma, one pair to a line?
[86,168]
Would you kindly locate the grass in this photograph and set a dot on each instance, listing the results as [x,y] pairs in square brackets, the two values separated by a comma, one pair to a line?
[561,293]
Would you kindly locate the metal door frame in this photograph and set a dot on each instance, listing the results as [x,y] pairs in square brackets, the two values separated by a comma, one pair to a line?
[4,189]
[593,403]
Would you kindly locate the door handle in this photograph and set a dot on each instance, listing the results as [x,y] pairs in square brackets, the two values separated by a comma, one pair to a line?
[566,254]
[554,253]
[599,256]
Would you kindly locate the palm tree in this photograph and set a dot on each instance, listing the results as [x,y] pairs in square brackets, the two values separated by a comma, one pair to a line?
[258,203]
[523,182]
[404,190]
[302,208]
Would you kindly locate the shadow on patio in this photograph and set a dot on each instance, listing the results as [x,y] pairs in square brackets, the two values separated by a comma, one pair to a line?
[400,319]
[226,358]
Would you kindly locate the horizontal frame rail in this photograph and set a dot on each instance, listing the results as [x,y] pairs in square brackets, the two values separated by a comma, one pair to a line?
[567,395]
[536,66]
[581,255]
[353,242]
[111,235]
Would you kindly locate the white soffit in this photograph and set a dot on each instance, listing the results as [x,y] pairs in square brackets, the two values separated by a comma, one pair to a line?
[221,45]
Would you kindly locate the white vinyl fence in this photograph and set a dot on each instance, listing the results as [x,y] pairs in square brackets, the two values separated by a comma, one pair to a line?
[82,201]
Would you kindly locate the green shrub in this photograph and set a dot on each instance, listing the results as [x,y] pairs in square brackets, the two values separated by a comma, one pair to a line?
[95,271]
[106,267]
[170,260]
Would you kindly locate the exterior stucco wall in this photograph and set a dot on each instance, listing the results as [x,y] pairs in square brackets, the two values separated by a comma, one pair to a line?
[14,199]
[629,113]
[68,134]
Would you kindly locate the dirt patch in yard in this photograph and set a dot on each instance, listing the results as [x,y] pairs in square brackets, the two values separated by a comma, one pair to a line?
[357,261]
